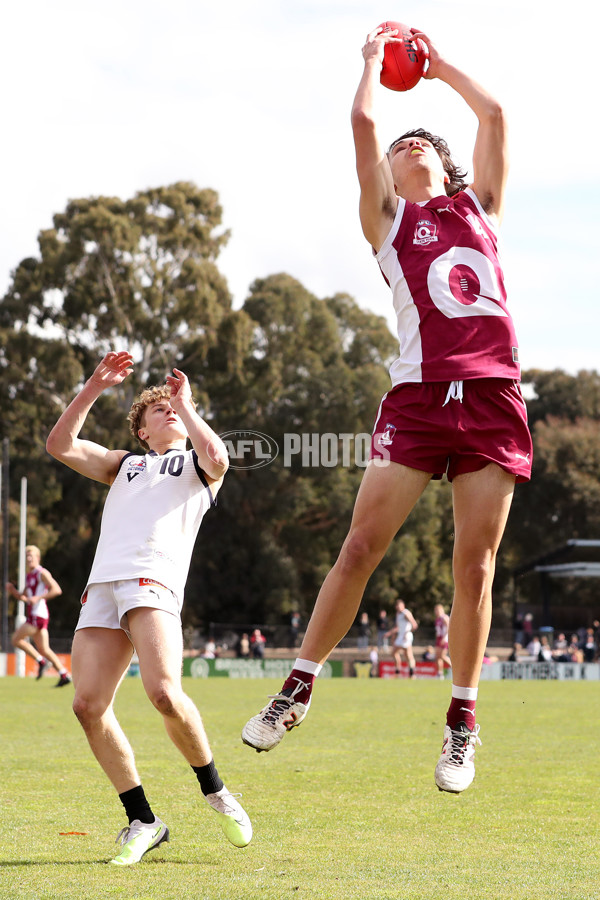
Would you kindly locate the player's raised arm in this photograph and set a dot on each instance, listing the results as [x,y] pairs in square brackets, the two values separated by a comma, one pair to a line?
[490,155]
[378,201]
[86,457]
[210,449]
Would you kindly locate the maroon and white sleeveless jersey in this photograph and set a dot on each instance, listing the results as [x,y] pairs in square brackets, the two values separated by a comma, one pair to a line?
[441,628]
[441,261]
[34,586]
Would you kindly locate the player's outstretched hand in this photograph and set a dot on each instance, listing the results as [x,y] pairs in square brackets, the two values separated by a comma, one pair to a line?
[435,57]
[181,391]
[376,40]
[114,368]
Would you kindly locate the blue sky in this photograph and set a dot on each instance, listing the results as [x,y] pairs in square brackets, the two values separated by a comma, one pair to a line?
[254,101]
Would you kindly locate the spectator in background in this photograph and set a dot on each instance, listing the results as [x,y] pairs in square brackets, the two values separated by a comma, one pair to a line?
[295,623]
[210,650]
[364,632]
[545,651]
[533,647]
[516,652]
[519,634]
[257,644]
[589,645]
[383,627]
[527,629]
[574,651]
[560,645]
[242,650]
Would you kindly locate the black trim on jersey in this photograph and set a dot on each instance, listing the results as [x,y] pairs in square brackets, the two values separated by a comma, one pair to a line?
[123,460]
[202,477]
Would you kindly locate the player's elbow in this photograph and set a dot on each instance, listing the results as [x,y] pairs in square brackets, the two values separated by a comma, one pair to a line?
[54,445]
[363,122]
[495,115]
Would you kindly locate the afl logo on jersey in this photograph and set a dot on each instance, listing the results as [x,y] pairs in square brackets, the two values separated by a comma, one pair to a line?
[425,232]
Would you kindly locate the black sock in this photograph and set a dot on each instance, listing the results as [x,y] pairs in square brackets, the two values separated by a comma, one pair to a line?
[136,805]
[208,777]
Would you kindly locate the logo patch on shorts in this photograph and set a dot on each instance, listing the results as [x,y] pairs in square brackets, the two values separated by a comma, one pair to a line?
[387,436]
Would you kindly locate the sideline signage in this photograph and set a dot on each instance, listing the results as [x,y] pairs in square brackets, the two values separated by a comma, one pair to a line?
[541,671]
[224,667]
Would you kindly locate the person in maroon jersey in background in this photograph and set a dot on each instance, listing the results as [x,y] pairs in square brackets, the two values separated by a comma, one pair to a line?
[455,406]
[40,586]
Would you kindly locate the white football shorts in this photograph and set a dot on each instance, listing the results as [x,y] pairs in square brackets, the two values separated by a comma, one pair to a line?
[105,605]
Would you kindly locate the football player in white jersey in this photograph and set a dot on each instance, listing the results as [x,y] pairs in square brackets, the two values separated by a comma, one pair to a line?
[134,594]
[455,407]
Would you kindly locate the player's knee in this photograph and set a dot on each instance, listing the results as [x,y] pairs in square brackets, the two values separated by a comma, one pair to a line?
[359,554]
[87,711]
[473,580]
[166,699]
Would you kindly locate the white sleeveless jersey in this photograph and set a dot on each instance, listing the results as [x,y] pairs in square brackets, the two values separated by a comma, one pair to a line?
[404,627]
[151,518]
[34,586]
[441,261]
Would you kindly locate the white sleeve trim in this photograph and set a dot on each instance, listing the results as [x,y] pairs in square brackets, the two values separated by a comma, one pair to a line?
[385,247]
[489,222]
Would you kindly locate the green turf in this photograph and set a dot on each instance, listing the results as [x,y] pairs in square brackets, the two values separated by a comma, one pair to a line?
[345,808]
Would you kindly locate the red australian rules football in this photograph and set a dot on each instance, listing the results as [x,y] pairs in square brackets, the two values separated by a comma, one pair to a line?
[403,63]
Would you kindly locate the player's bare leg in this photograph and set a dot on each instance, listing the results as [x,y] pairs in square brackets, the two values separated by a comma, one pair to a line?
[20,642]
[386,496]
[159,644]
[42,642]
[481,505]
[100,657]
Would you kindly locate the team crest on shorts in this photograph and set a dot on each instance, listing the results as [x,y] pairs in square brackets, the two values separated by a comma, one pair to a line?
[387,435]
[425,232]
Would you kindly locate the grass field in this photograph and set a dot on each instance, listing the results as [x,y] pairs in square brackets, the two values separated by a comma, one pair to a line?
[345,808]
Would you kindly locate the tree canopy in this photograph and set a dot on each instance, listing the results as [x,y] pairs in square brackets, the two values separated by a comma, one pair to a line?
[142,274]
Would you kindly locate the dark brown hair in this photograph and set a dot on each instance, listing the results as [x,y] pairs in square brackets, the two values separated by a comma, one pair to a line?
[453,171]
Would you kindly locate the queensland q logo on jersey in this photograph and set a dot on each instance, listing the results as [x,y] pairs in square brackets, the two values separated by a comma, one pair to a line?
[425,232]
[249,449]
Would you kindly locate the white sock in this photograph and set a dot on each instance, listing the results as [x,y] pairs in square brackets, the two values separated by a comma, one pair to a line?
[464,693]
[307,665]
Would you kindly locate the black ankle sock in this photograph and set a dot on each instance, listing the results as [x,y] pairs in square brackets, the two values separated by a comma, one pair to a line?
[136,805]
[209,779]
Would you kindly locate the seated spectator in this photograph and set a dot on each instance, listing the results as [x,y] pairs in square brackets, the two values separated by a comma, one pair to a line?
[242,648]
[534,647]
[560,643]
[210,650]
[574,651]
[545,652]
[428,654]
[517,651]
[257,644]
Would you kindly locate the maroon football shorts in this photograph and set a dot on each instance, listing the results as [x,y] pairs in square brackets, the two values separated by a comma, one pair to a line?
[38,622]
[422,426]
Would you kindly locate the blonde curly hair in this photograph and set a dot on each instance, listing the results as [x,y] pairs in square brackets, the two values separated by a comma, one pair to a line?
[138,409]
